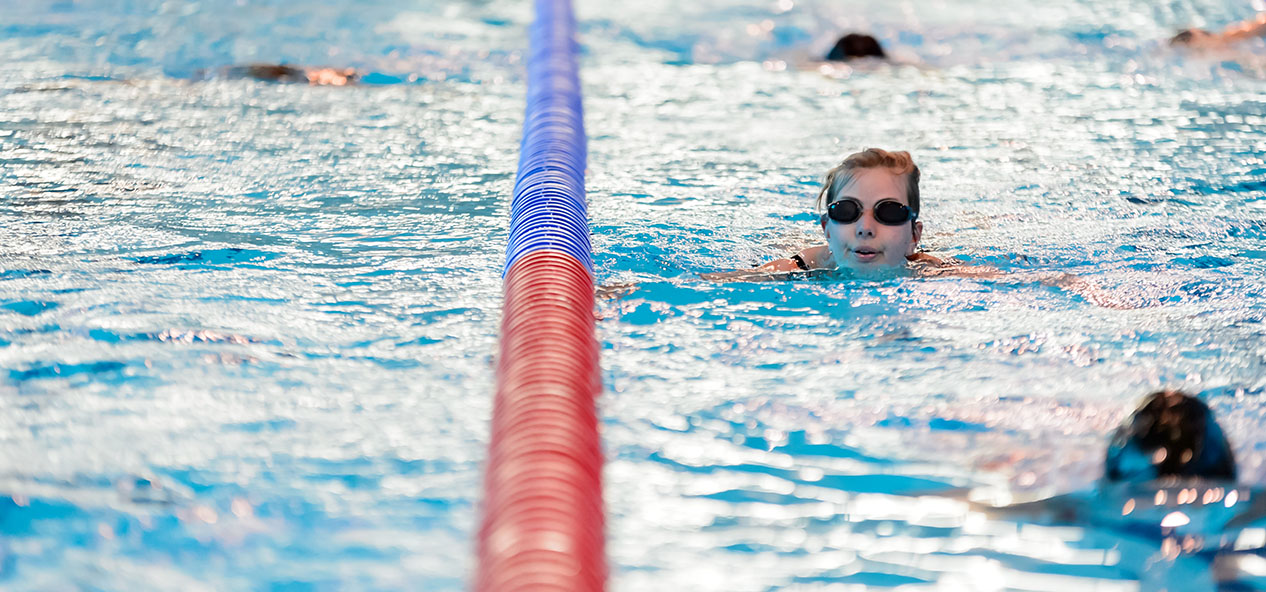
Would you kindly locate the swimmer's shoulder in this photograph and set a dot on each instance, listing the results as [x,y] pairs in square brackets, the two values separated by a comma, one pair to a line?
[804,260]
[818,257]
[812,259]
[922,258]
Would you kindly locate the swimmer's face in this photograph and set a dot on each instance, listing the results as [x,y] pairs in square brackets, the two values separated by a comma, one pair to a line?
[866,245]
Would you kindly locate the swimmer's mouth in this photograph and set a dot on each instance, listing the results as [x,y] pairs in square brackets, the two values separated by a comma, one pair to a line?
[865,254]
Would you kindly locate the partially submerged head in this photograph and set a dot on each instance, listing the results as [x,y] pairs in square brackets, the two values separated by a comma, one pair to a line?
[1192,38]
[855,45]
[1172,434]
[286,73]
[872,205]
[269,72]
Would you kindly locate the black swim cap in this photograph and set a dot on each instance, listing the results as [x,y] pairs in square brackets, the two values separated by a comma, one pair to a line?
[1172,434]
[269,73]
[855,45]
[1186,36]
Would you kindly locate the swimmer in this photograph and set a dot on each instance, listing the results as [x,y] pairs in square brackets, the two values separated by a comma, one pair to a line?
[871,221]
[1169,490]
[855,45]
[1172,434]
[872,228]
[285,73]
[1171,441]
[1202,39]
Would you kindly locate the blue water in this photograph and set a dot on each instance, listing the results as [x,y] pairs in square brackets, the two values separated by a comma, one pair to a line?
[246,329]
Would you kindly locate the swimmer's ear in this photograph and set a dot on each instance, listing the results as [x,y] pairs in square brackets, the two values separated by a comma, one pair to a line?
[822,221]
[917,229]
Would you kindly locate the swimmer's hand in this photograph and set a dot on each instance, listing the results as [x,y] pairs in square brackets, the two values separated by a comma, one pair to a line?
[613,291]
[1245,29]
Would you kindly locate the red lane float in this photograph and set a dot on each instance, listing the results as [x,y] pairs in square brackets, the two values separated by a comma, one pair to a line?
[543,515]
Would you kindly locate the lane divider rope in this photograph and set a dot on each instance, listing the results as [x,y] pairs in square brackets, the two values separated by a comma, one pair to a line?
[543,521]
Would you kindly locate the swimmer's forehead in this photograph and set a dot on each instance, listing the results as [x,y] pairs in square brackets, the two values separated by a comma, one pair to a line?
[897,196]
[865,182]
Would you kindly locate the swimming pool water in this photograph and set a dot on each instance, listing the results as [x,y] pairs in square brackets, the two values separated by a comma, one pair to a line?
[246,329]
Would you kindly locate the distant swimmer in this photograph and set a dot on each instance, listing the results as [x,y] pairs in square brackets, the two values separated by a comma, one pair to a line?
[1202,39]
[855,45]
[294,74]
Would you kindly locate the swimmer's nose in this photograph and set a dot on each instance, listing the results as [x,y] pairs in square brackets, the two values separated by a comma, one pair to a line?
[866,225]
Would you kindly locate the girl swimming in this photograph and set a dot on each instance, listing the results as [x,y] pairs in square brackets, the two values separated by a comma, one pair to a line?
[870,220]
[872,228]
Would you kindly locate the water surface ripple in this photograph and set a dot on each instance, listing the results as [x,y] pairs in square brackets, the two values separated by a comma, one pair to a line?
[246,329]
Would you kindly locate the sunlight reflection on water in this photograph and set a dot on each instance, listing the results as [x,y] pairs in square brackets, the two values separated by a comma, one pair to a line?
[252,324]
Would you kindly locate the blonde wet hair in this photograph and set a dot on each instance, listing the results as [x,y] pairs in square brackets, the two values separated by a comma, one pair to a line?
[900,163]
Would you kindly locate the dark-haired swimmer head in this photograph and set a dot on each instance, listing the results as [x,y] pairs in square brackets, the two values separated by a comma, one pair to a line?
[855,45]
[1191,37]
[1169,473]
[1172,434]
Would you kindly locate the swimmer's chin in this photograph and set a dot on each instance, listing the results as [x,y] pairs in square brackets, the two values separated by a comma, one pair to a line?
[873,271]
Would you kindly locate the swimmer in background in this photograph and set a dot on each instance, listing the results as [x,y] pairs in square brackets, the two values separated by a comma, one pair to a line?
[1202,39]
[292,74]
[855,45]
[853,52]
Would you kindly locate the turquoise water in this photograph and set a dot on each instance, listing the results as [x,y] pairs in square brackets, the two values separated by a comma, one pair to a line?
[246,329]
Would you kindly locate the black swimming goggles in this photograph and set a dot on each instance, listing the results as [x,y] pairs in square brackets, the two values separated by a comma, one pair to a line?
[888,212]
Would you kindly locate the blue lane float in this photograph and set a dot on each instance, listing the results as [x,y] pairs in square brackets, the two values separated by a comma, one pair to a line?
[553,152]
[542,524]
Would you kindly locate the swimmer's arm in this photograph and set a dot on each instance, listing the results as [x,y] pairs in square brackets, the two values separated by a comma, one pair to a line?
[928,266]
[1061,509]
[1080,287]
[813,258]
[614,291]
[1250,515]
[1245,29]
